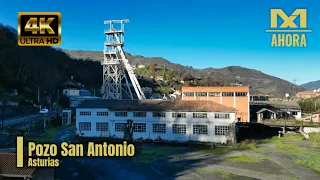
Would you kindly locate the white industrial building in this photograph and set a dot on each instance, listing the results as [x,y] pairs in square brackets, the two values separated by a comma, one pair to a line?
[177,120]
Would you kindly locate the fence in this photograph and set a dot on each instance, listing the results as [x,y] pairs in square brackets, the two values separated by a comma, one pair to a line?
[13,112]
[292,123]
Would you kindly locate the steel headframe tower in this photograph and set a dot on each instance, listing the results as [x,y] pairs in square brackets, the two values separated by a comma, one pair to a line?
[115,82]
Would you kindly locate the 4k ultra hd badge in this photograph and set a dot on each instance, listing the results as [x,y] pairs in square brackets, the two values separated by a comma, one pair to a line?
[39,28]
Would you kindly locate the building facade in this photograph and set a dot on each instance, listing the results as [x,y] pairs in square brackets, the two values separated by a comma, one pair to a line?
[167,120]
[259,97]
[237,97]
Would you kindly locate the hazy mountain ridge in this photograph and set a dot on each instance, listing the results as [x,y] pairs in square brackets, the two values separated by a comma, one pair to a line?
[257,80]
[311,85]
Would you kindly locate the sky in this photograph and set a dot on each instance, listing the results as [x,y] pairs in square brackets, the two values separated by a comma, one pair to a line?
[197,33]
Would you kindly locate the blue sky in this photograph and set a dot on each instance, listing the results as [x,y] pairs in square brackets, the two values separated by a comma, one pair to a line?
[198,33]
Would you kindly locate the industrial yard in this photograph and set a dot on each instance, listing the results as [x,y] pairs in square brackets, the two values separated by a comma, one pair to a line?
[288,157]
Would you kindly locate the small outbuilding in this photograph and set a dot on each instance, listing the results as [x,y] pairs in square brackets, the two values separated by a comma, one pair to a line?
[66,116]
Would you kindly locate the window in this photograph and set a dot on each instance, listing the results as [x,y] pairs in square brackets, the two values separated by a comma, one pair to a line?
[121,114]
[221,116]
[179,115]
[65,114]
[221,130]
[201,94]
[241,94]
[101,126]
[139,127]
[188,94]
[102,113]
[139,114]
[214,94]
[179,128]
[159,128]
[158,114]
[227,94]
[200,129]
[294,113]
[85,113]
[199,115]
[84,126]
[118,127]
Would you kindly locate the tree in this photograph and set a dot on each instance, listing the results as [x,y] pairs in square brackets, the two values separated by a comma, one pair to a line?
[4,98]
[128,130]
[152,69]
[64,102]
[187,76]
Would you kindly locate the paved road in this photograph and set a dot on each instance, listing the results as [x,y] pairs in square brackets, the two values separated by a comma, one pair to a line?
[20,120]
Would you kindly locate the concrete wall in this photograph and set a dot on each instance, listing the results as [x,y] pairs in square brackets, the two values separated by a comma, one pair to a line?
[149,120]
[311,130]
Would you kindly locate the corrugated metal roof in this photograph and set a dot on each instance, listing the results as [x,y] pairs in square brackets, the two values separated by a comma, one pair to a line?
[155,105]
[8,165]
[278,104]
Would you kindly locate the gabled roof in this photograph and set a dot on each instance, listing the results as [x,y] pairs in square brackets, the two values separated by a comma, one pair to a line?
[268,109]
[8,166]
[156,105]
[278,104]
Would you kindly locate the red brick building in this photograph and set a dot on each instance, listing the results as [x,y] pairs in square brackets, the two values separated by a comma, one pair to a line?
[237,97]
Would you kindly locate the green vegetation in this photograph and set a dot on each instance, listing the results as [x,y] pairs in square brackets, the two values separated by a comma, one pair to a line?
[308,156]
[290,122]
[285,138]
[243,158]
[250,146]
[50,133]
[312,163]
[309,105]
[222,174]
[147,156]
[314,137]
[287,147]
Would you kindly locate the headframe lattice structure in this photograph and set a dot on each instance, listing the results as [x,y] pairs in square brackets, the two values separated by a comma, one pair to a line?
[115,82]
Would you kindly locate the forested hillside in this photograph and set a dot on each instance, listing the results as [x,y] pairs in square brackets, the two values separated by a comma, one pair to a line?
[25,68]
[258,81]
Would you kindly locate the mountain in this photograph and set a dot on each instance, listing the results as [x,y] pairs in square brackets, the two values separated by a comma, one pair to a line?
[257,80]
[311,85]
[27,68]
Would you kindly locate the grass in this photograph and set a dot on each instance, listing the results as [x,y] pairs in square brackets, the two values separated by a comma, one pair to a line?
[249,146]
[147,156]
[243,158]
[314,137]
[222,174]
[287,147]
[311,163]
[49,135]
[286,138]
[306,156]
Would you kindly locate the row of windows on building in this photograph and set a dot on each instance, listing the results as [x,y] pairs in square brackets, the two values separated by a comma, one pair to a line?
[215,94]
[157,128]
[159,114]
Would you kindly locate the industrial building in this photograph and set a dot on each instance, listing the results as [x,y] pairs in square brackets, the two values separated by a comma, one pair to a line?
[178,120]
[259,97]
[232,96]
[264,110]
[76,96]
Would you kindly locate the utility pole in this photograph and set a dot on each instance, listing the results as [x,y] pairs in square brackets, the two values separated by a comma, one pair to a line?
[58,104]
